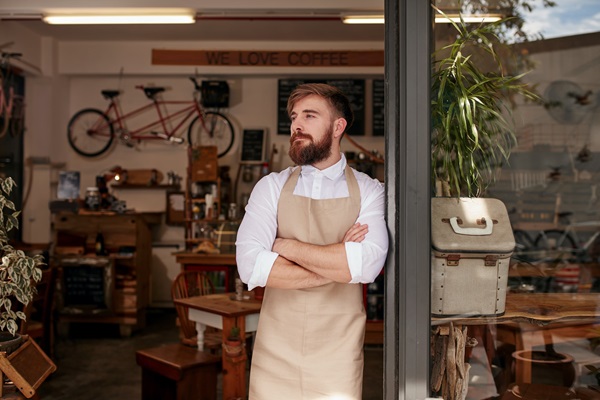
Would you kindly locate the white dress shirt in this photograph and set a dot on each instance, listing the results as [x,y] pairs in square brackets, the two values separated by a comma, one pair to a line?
[258,229]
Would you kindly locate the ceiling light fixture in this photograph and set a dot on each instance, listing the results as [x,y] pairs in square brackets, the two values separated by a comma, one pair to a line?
[363,19]
[129,17]
[439,19]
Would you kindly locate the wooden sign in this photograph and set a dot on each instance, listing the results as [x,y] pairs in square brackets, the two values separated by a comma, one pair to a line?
[269,58]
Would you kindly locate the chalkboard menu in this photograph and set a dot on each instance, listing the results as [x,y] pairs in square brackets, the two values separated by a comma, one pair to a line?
[253,146]
[85,285]
[353,88]
[378,107]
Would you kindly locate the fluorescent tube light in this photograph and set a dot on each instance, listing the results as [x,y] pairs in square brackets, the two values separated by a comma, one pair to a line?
[363,19]
[439,19]
[475,19]
[93,19]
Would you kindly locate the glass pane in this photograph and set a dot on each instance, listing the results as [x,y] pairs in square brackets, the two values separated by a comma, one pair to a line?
[518,321]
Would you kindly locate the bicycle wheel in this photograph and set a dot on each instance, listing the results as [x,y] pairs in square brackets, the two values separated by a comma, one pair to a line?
[6,104]
[556,243]
[524,245]
[17,120]
[214,129]
[90,132]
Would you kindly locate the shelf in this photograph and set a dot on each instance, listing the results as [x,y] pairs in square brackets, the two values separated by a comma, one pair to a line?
[159,186]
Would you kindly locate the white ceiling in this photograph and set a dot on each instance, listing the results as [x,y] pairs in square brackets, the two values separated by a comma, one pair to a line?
[308,20]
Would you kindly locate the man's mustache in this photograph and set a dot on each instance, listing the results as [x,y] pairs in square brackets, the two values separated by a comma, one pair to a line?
[299,135]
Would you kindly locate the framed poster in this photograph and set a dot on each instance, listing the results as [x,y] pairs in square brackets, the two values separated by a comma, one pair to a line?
[254,145]
[175,208]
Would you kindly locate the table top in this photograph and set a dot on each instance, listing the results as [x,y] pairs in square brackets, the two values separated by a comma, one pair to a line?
[539,309]
[188,257]
[223,304]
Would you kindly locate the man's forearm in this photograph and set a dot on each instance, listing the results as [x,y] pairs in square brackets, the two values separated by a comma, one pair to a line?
[328,261]
[287,275]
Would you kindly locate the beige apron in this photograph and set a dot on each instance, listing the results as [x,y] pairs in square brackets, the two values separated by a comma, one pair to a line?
[309,343]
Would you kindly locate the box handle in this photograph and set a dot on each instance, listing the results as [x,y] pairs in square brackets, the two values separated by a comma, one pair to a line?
[487,230]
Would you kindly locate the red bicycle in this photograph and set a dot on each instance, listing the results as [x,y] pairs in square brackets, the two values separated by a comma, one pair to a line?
[91,132]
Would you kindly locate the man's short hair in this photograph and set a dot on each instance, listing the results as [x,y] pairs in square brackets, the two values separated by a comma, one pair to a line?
[336,98]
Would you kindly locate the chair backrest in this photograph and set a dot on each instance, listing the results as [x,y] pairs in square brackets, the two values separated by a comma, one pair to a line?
[187,284]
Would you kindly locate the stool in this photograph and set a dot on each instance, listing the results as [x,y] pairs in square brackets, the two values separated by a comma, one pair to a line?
[178,372]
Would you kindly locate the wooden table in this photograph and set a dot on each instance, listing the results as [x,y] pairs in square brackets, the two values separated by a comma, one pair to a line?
[572,314]
[222,311]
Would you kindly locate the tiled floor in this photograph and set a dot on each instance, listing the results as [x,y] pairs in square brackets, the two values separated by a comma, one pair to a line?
[94,362]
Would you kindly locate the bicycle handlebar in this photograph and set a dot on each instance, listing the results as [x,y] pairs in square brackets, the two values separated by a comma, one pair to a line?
[193,79]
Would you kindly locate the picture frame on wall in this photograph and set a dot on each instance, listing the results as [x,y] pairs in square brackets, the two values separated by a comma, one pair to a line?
[175,214]
[254,146]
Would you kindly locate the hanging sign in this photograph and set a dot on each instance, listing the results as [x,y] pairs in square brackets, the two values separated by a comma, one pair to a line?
[269,58]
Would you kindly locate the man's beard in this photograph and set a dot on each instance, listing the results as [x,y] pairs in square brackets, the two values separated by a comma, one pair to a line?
[310,153]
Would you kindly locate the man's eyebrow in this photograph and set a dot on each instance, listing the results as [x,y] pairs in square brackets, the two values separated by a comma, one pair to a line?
[309,111]
[305,111]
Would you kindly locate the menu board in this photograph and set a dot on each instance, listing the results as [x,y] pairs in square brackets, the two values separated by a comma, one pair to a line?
[253,146]
[378,107]
[354,89]
[85,286]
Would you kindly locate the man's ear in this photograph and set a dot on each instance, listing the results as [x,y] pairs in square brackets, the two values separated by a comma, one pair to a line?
[339,126]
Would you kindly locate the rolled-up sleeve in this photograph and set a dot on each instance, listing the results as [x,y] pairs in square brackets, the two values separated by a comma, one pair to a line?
[256,234]
[366,259]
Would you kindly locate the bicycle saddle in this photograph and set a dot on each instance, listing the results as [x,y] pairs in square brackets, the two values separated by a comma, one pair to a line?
[109,94]
[152,91]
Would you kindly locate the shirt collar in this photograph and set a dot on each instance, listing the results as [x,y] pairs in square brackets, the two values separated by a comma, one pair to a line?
[332,172]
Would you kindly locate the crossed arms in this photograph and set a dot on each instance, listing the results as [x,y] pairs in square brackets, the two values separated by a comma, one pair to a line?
[303,265]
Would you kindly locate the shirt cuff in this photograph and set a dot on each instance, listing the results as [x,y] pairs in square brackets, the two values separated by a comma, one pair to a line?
[262,269]
[354,256]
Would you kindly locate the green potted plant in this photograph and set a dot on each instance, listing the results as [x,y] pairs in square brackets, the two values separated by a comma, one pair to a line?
[471,138]
[471,132]
[18,271]
[233,345]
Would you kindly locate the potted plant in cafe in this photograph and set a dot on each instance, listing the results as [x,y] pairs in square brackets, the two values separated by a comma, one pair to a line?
[18,271]
[470,97]
[233,345]
[471,138]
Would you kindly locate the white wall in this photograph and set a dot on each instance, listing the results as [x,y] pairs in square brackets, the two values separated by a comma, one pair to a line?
[76,72]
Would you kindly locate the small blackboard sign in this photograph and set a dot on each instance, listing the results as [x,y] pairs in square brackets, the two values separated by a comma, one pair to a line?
[354,89]
[378,107]
[253,146]
[86,285]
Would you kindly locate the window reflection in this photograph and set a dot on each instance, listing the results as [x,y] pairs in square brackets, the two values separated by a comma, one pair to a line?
[547,343]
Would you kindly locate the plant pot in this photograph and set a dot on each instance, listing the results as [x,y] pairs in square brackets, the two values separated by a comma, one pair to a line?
[9,342]
[233,347]
[549,368]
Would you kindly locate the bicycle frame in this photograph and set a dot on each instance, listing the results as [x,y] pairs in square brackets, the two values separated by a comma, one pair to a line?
[118,119]
[572,230]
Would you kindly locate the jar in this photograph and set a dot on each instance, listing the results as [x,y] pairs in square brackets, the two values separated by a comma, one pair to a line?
[232,213]
[92,198]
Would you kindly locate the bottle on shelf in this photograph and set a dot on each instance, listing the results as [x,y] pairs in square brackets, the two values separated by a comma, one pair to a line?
[100,247]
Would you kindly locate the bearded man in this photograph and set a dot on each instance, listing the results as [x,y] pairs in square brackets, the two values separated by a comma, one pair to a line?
[312,235]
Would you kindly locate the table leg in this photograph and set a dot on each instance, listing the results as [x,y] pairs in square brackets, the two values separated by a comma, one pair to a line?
[200,327]
[234,368]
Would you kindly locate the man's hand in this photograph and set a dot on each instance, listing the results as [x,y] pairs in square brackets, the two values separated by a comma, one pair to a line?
[356,233]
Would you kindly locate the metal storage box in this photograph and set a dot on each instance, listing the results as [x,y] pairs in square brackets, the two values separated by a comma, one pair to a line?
[472,242]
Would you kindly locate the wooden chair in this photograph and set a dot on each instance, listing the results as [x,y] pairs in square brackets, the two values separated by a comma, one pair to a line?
[39,324]
[187,284]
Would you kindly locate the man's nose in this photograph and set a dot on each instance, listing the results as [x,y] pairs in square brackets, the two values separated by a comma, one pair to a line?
[296,127]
